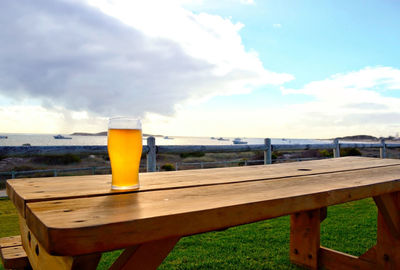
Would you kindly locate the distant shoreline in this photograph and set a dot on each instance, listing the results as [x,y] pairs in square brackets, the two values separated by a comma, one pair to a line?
[345,138]
[367,138]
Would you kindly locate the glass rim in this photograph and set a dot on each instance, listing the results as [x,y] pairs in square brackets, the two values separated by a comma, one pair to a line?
[124,122]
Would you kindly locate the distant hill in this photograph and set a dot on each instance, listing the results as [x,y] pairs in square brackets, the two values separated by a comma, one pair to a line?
[104,133]
[359,138]
[368,138]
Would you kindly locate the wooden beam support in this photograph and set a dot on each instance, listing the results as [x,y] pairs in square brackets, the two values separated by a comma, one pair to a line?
[332,259]
[145,256]
[369,255]
[388,206]
[388,246]
[305,238]
[323,213]
[388,234]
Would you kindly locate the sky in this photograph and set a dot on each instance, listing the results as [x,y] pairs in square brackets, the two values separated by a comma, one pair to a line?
[237,68]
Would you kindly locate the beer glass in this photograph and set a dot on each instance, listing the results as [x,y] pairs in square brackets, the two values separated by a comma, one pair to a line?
[125,150]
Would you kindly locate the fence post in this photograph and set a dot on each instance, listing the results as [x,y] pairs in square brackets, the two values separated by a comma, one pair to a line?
[151,155]
[336,150]
[268,151]
[176,166]
[382,149]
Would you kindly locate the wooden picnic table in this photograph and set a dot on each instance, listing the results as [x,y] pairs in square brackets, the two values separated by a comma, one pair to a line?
[68,222]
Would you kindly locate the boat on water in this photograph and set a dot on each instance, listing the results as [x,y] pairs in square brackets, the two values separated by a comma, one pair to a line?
[239,141]
[59,136]
[168,138]
[222,139]
[3,137]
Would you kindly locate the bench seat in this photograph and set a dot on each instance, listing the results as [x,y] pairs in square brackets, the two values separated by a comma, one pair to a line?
[13,254]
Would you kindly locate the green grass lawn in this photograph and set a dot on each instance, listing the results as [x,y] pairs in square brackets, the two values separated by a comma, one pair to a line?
[349,228]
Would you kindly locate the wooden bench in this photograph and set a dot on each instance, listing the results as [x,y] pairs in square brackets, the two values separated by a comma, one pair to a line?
[13,254]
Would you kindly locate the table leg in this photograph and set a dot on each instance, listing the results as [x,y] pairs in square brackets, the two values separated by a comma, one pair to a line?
[305,238]
[40,259]
[384,255]
[305,249]
[145,256]
[388,234]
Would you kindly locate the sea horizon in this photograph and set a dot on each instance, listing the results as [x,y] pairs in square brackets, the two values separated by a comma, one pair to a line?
[47,139]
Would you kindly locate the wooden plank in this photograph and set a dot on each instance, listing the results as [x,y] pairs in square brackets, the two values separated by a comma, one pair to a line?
[40,259]
[14,257]
[10,241]
[332,259]
[388,244]
[22,191]
[94,224]
[305,238]
[145,256]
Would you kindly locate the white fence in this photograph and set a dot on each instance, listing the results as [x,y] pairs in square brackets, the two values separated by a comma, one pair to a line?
[151,149]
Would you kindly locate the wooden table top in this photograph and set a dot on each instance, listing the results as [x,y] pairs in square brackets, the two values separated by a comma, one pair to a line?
[81,215]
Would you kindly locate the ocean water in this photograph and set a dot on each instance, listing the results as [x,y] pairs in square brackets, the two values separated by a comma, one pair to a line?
[48,139]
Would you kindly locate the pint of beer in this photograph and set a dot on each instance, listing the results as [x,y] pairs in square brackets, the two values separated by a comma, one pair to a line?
[125,151]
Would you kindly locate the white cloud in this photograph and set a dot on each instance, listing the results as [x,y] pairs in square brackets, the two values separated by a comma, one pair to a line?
[365,86]
[343,104]
[211,38]
[122,57]
[355,102]
[277,25]
[31,118]
[74,63]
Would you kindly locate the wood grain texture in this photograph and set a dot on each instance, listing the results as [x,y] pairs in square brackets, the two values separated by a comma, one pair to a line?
[102,223]
[388,206]
[388,245]
[41,260]
[22,191]
[305,238]
[10,241]
[331,260]
[14,258]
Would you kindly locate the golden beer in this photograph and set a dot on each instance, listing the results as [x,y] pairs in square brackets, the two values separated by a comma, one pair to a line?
[125,151]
